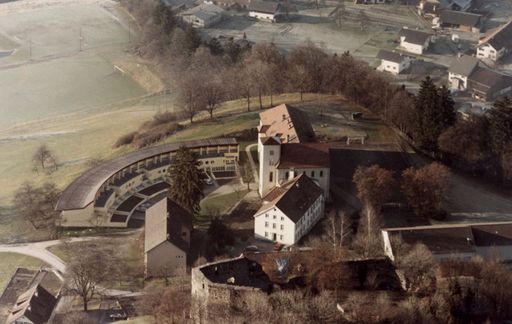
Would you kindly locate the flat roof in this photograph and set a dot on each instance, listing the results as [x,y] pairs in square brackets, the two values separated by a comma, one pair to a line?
[82,192]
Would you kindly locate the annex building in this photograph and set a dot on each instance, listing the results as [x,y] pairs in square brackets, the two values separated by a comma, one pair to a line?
[294,175]
[108,194]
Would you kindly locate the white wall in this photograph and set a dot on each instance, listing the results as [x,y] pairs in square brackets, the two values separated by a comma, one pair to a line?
[262,16]
[413,48]
[269,156]
[489,52]
[274,221]
[453,80]
[319,175]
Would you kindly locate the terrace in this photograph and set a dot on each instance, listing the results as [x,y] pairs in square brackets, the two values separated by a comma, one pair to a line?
[103,198]
[129,204]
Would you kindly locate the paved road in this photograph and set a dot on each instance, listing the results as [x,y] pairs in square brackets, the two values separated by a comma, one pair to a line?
[248,149]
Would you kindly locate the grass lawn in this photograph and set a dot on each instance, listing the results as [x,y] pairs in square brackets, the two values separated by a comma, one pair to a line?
[126,249]
[218,205]
[10,261]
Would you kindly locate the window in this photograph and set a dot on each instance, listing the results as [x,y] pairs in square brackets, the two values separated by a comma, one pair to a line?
[281,237]
[266,234]
[207,162]
[273,225]
[266,224]
[274,217]
[286,175]
[282,218]
[271,152]
[312,174]
[321,173]
[282,227]
[271,176]
[266,215]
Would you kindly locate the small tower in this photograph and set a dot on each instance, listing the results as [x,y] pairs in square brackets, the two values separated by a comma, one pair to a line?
[269,155]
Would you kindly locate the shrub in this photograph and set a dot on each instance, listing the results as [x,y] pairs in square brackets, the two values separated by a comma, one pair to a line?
[125,139]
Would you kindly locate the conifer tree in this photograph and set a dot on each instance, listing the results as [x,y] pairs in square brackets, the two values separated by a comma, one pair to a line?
[186,186]
[434,112]
[500,125]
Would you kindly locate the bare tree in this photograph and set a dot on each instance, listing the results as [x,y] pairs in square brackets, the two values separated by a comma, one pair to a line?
[36,204]
[418,266]
[247,175]
[338,229]
[191,94]
[85,273]
[214,93]
[44,156]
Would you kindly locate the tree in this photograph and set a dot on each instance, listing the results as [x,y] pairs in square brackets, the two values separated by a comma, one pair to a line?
[374,187]
[85,273]
[186,185]
[164,18]
[500,125]
[219,235]
[425,188]
[506,162]
[338,229]
[310,59]
[213,93]
[418,266]
[466,140]
[191,94]
[247,175]
[433,113]
[36,204]
[43,156]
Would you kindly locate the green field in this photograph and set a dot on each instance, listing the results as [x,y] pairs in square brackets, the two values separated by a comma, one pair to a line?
[10,261]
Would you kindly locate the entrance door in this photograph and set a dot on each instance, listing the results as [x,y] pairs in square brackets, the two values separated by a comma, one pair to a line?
[274,236]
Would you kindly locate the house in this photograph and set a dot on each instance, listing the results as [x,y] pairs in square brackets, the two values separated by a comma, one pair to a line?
[433,8]
[264,10]
[414,41]
[463,21]
[203,16]
[488,85]
[484,240]
[30,296]
[167,238]
[460,70]
[393,62]
[289,211]
[179,5]
[230,4]
[287,148]
[496,44]
[466,74]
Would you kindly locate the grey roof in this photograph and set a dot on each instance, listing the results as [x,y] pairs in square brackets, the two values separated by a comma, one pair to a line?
[463,65]
[456,238]
[391,56]
[167,226]
[269,7]
[500,38]
[459,18]
[293,198]
[490,78]
[414,36]
[81,192]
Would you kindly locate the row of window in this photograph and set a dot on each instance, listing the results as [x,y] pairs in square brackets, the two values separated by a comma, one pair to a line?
[273,236]
[274,217]
[274,225]
[287,175]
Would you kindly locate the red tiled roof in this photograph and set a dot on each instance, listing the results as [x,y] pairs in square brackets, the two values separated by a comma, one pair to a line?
[290,124]
[304,155]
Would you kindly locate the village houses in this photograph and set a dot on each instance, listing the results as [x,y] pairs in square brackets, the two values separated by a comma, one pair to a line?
[414,41]
[393,62]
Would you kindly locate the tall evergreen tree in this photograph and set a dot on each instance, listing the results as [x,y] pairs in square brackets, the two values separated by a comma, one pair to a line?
[434,112]
[164,17]
[186,186]
[500,125]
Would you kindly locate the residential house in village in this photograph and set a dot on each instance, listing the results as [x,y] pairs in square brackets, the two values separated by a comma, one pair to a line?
[203,16]
[496,44]
[289,211]
[466,74]
[288,154]
[265,10]
[393,62]
[230,4]
[167,238]
[463,21]
[433,8]
[414,41]
[484,240]
[369,1]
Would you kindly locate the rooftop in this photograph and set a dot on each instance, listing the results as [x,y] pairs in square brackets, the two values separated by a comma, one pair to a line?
[269,7]
[391,56]
[500,38]
[81,192]
[293,198]
[459,18]
[304,155]
[166,224]
[203,11]
[414,36]
[486,78]
[288,123]
[463,65]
